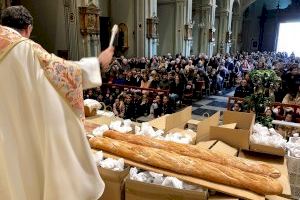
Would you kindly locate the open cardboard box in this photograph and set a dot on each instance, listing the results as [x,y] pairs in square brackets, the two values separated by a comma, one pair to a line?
[267,149]
[183,132]
[93,122]
[175,120]
[192,124]
[279,163]
[239,137]
[114,183]
[182,118]
[222,197]
[204,126]
[136,190]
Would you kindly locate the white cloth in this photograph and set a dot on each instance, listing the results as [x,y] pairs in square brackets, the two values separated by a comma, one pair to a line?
[44,153]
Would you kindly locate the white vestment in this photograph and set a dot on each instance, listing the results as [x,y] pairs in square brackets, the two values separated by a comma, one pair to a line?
[44,153]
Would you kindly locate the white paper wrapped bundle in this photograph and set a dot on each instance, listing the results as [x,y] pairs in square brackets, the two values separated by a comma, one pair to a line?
[90,107]
[269,137]
[109,163]
[160,179]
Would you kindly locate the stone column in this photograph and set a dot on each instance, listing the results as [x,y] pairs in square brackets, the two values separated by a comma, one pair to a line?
[179,25]
[206,23]
[187,21]
[183,16]
[72,29]
[78,45]
[223,45]
[236,31]
[144,46]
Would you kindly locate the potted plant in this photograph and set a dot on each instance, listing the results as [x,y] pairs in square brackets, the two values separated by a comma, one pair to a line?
[265,82]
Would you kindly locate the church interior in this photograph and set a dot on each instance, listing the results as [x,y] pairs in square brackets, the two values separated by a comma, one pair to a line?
[194,80]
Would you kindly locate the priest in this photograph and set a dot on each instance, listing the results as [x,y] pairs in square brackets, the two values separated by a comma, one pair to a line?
[44,154]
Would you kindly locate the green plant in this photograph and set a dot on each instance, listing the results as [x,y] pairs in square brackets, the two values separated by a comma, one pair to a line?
[265,83]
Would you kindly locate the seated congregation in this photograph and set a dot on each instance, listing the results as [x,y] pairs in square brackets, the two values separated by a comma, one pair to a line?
[160,85]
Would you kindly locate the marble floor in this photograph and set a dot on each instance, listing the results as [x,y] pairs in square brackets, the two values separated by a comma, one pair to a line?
[207,106]
[210,105]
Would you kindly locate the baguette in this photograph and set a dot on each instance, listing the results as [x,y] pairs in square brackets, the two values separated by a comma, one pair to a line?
[189,166]
[197,152]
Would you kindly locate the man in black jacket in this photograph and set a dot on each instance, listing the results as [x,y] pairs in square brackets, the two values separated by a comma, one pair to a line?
[243,90]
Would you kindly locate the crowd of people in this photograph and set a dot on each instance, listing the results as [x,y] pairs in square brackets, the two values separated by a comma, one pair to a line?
[169,79]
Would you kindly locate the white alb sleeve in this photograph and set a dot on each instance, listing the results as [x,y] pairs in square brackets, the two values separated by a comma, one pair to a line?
[91,75]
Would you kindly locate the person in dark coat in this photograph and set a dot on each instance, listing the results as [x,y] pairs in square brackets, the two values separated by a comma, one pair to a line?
[243,90]
[129,107]
[166,106]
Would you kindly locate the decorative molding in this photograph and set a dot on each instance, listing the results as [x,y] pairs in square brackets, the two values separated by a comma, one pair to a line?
[67,3]
[89,19]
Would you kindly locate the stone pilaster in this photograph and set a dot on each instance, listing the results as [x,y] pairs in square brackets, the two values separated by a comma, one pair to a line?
[223,29]
[187,21]
[144,46]
[72,29]
[206,22]
[236,31]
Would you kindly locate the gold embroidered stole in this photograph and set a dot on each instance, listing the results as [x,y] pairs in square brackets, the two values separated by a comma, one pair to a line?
[8,39]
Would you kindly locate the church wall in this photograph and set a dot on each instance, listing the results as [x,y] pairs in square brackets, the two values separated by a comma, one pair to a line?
[166,15]
[123,12]
[49,24]
[250,33]
[251,27]
[104,8]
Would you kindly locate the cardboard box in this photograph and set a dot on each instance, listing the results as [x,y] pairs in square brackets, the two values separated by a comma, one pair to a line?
[175,120]
[183,132]
[204,126]
[231,126]
[232,191]
[267,149]
[222,197]
[114,183]
[239,137]
[206,144]
[224,148]
[193,124]
[279,163]
[136,190]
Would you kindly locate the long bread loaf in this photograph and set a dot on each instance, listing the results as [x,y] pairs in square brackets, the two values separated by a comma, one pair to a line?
[189,166]
[197,152]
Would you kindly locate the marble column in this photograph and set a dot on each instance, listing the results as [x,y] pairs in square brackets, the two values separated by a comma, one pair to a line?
[206,23]
[144,46]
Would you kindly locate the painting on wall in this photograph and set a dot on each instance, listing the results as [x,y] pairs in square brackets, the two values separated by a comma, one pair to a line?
[152,27]
[211,35]
[123,37]
[254,44]
[228,37]
[188,34]
[89,20]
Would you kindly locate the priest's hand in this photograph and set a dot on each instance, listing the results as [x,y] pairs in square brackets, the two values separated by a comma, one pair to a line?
[105,58]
